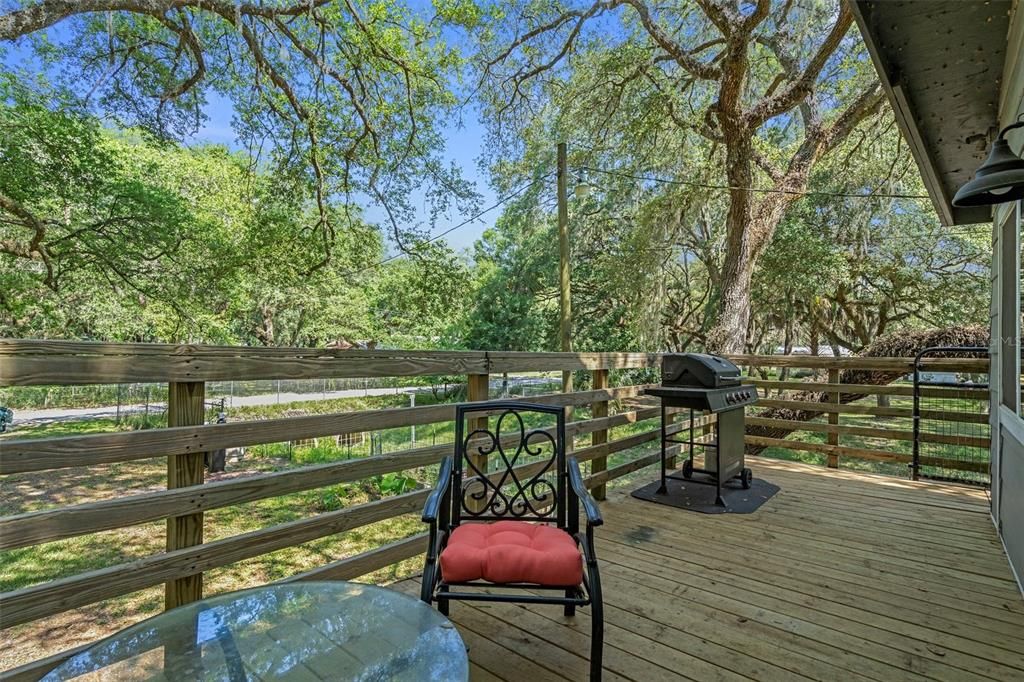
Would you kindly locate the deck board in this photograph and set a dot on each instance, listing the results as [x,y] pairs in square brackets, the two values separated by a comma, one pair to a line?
[842,575]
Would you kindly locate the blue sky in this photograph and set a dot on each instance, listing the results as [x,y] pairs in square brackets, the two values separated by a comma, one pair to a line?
[464,141]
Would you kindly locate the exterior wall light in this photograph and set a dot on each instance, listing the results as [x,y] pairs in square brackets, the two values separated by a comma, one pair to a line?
[999,179]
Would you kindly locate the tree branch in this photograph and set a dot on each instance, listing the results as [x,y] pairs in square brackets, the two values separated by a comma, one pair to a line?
[35,249]
[684,58]
[46,13]
[191,41]
[790,94]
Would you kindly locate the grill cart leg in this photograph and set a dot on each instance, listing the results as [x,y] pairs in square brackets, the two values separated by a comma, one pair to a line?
[688,464]
[718,473]
[664,487]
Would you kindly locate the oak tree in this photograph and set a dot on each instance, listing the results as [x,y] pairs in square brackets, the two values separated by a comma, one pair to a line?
[344,99]
[773,86]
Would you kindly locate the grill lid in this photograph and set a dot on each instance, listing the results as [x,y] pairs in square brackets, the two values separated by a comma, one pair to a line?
[698,370]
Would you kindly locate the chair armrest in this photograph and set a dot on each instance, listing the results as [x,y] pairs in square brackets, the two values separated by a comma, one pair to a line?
[590,507]
[444,481]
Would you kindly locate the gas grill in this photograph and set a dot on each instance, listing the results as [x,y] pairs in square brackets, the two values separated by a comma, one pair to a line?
[706,384]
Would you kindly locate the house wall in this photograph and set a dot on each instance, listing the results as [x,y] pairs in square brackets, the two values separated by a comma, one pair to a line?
[1007,425]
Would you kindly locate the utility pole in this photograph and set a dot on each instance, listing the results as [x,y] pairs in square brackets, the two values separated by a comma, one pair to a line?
[564,301]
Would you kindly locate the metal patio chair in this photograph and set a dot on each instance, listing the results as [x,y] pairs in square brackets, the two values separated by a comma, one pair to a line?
[513,525]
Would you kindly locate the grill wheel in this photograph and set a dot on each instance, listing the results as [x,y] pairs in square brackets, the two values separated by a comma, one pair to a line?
[746,478]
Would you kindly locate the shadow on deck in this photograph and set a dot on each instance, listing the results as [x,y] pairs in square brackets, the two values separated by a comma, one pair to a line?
[841,576]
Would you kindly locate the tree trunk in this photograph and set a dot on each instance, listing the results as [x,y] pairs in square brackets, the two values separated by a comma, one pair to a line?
[787,347]
[729,335]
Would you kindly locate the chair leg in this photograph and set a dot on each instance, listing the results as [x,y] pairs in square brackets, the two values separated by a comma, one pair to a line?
[596,623]
[442,606]
[570,609]
[427,586]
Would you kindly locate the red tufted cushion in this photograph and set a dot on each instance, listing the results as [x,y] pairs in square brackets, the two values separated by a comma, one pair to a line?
[512,552]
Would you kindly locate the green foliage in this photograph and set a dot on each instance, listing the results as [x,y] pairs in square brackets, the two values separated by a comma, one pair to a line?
[343,103]
[147,241]
[848,270]
[333,498]
[119,233]
[80,216]
[418,301]
[466,13]
[271,451]
[394,483]
[516,302]
[142,421]
[648,255]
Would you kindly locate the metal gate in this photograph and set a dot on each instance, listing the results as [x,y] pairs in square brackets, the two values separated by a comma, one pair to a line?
[951,421]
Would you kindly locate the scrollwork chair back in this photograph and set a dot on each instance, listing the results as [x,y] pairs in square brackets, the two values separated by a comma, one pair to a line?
[510,462]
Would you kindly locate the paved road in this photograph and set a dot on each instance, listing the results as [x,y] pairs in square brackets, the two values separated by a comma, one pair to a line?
[71,413]
[61,414]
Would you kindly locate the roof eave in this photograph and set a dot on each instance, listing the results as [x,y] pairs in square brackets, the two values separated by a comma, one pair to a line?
[906,119]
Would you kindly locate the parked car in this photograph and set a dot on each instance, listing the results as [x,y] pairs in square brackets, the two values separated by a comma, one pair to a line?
[6,417]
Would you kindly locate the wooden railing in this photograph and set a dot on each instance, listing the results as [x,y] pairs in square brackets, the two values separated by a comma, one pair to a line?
[187,500]
[829,392]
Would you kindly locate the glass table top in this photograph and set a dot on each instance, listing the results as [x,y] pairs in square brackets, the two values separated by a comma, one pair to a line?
[297,631]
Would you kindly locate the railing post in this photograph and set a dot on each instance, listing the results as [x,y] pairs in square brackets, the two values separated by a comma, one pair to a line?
[833,418]
[186,406]
[599,410]
[477,390]
[569,409]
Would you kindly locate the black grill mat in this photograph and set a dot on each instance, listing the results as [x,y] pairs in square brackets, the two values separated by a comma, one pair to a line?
[700,497]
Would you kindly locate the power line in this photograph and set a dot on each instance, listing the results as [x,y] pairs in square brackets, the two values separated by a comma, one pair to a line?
[631,176]
[971,229]
[761,190]
[467,221]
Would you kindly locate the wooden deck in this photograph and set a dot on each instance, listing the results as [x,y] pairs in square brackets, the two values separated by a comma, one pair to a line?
[841,576]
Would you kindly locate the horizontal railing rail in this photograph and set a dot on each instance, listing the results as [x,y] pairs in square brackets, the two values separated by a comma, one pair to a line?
[188,499]
[791,407]
[868,364]
[28,363]
[25,455]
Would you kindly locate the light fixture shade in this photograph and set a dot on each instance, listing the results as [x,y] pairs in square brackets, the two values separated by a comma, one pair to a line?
[998,180]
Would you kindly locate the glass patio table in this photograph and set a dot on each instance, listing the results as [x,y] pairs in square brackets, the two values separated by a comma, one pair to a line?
[296,631]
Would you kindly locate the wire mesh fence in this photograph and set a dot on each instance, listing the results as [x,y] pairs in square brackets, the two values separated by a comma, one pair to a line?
[952,432]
